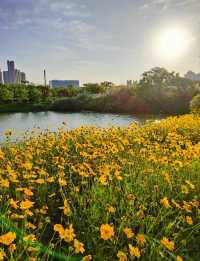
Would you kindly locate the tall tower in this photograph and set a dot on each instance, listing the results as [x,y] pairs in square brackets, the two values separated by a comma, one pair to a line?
[1,77]
[11,72]
[45,78]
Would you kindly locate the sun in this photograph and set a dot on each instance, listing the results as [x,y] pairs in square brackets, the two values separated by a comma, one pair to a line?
[172,43]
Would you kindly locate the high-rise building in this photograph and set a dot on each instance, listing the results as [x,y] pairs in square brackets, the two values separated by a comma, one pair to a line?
[11,71]
[1,77]
[23,77]
[64,83]
[13,75]
[5,77]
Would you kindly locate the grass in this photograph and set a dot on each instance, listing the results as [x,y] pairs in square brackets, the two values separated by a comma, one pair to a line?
[106,194]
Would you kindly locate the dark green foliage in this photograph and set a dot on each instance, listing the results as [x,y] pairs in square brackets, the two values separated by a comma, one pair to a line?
[195,104]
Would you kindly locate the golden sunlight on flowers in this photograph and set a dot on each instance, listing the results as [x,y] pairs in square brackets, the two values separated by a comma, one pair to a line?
[107,231]
[117,193]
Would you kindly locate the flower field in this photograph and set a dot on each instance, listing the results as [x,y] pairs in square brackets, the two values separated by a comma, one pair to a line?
[103,194]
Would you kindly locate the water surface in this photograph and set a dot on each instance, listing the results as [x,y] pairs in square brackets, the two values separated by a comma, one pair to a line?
[21,122]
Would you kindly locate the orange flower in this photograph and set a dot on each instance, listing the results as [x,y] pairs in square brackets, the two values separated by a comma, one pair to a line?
[134,251]
[7,238]
[2,255]
[167,243]
[189,220]
[26,204]
[165,202]
[107,231]
[140,239]
[128,232]
[122,256]
[87,258]
[79,247]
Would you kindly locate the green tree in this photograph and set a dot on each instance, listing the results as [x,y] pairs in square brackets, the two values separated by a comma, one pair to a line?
[6,93]
[20,93]
[34,93]
[195,104]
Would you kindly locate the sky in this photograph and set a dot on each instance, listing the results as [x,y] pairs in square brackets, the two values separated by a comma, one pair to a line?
[97,40]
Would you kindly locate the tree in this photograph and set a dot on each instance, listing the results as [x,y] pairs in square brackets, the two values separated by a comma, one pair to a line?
[34,93]
[6,93]
[195,104]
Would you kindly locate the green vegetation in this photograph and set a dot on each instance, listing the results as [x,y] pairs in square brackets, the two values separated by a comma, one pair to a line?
[158,91]
[195,104]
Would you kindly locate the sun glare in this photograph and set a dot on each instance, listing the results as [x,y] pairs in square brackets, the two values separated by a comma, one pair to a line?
[172,43]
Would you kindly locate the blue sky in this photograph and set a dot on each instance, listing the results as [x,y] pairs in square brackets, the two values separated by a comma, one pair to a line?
[94,40]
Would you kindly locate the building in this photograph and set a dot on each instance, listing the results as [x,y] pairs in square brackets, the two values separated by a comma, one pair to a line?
[192,76]
[1,77]
[129,83]
[64,83]
[11,71]
[13,75]
[23,77]
[5,77]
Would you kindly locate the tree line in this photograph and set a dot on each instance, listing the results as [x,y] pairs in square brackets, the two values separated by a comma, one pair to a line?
[158,91]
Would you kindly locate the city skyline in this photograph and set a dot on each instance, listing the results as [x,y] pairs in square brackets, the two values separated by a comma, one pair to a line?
[98,41]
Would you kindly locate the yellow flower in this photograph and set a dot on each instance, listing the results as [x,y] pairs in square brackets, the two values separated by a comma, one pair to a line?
[7,238]
[128,232]
[111,210]
[13,203]
[87,258]
[107,231]
[28,192]
[62,182]
[30,237]
[26,204]
[189,220]
[134,251]
[140,239]
[27,165]
[79,247]
[167,243]
[179,258]
[122,256]
[66,207]
[12,248]
[59,228]
[165,202]
[2,255]
[69,234]
[192,186]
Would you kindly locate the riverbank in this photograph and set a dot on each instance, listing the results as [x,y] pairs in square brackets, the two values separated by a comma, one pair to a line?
[93,103]
[103,194]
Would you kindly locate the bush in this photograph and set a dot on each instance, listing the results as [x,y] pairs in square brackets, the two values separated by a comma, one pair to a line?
[195,104]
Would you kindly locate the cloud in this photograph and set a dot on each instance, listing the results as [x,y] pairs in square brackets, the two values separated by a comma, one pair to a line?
[165,4]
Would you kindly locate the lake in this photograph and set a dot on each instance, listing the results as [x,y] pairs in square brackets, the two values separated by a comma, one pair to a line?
[21,122]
